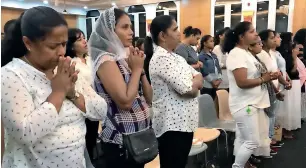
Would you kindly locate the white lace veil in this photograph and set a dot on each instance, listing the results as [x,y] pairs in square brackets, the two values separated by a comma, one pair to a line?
[104,44]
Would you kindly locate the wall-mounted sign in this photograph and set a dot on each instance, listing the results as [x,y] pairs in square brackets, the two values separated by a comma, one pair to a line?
[248,16]
[149,21]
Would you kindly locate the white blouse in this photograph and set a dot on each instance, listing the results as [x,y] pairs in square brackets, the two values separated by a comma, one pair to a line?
[222,62]
[85,69]
[37,135]
[171,77]
[270,62]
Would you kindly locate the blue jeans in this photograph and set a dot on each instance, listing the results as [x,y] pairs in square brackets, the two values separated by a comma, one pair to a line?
[272,120]
[271,127]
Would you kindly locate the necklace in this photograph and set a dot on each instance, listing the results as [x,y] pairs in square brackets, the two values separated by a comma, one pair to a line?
[25,57]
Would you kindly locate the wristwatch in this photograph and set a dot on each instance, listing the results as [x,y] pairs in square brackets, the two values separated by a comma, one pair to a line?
[76,96]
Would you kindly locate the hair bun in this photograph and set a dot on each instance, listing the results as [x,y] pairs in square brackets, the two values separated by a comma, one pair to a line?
[188,30]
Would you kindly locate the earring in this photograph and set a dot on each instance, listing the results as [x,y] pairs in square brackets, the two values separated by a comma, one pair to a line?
[29,49]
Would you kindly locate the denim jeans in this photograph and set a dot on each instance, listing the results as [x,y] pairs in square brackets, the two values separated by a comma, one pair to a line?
[272,120]
[247,122]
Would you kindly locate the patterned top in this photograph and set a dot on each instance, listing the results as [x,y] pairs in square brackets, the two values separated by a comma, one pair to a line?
[171,78]
[120,121]
[37,136]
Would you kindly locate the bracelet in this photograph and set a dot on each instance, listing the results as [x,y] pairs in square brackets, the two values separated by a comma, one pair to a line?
[262,80]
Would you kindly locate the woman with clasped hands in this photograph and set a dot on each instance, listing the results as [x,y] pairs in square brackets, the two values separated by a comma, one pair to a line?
[120,80]
[43,114]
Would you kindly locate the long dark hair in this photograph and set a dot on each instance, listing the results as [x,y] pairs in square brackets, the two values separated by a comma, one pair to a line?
[34,23]
[159,24]
[73,35]
[232,36]
[300,38]
[8,25]
[220,33]
[203,40]
[285,49]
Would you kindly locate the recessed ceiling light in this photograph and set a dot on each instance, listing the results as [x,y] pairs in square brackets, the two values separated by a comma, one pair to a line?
[85,7]
[113,4]
[46,2]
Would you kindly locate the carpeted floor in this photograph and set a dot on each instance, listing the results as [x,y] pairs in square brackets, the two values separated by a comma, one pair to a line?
[292,154]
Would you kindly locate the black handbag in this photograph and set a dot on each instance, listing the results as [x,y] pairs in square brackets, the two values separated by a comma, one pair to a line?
[142,146]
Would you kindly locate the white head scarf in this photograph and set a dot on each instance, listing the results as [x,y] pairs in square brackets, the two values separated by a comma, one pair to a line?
[104,44]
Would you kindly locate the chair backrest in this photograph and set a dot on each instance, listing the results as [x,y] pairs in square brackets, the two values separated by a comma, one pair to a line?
[207,110]
[224,110]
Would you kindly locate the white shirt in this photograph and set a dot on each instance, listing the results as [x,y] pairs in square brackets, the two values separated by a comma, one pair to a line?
[240,98]
[85,69]
[281,62]
[270,61]
[171,77]
[222,61]
[37,135]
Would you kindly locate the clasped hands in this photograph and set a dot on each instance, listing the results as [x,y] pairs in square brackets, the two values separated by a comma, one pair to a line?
[64,80]
[199,64]
[216,83]
[135,59]
[269,76]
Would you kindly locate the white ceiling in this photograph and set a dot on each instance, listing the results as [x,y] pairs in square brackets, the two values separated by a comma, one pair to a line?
[99,4]
[78,7]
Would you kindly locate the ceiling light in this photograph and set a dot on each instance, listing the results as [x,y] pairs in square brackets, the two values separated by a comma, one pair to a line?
[113,4]
[46,2]
[85,7]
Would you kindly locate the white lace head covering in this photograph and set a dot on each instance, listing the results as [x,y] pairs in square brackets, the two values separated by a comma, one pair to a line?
[104,44]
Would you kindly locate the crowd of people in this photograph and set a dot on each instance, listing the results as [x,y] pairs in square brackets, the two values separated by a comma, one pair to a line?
[56,88]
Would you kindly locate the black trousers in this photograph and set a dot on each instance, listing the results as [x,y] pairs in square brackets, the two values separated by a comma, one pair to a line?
[210,91]
[115,156]
[174,148]
[91,136]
